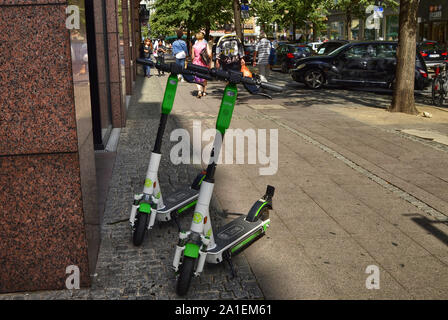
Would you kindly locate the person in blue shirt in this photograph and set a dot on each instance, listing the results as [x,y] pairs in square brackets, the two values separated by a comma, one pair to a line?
[180,50]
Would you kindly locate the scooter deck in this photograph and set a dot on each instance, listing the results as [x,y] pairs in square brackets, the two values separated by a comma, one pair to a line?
[178,199]
[234,232]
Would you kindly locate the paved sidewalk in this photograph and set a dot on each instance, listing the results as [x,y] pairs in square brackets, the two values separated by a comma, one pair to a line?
[349,194]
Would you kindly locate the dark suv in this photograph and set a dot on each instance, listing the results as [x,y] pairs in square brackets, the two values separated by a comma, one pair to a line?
[433,53]
[368,63]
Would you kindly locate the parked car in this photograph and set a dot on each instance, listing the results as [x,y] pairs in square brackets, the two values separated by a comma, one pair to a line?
[329,46]
[433,53]
[368,63]
[289,54]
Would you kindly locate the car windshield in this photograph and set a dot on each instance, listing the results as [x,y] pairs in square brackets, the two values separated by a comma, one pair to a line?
[301,49]
[430,46]
[326,48]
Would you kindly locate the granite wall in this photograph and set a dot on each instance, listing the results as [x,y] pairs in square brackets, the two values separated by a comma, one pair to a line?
[48,212]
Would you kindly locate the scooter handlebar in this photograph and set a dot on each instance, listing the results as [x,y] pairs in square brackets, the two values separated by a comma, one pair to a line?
[209,74]
[270,86]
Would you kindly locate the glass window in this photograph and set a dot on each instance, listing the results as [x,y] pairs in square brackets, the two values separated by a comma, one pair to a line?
[361,51]
[302,49]
[392,28]
[386,51]
[430,46]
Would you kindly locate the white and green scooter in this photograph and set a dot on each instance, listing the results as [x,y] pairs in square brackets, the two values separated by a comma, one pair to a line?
[150,205]
[201,244]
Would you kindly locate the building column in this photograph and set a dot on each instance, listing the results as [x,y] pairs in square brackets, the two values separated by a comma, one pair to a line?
[48,212]
[118,106]
[126,46]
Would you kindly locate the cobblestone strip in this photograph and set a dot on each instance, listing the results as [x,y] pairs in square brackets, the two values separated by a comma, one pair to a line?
[433,144]
[387,185]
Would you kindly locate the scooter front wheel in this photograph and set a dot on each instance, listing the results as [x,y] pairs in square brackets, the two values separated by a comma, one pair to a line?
[185,275]
[140,225]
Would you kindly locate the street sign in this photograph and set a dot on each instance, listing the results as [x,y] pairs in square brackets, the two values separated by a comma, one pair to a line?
[244,7]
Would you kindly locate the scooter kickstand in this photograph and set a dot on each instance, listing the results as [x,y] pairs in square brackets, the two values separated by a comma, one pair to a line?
[174,217]
[232,267]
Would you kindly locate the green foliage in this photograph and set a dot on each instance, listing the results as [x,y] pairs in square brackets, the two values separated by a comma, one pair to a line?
[193,15]
[357,7]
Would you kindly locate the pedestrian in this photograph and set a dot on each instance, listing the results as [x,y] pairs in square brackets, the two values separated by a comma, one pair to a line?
[180,51]
[201,55]
[263,51]
[147,51]
[159,52]
[229,53]
[230,56]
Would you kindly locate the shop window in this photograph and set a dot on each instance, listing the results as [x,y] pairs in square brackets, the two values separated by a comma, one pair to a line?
[392,28]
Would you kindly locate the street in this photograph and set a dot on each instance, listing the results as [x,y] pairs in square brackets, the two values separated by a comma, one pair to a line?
[353,190]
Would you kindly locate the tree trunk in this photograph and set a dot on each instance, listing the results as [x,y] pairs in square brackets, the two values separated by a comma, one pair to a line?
[189,45]
[237,19]
[207,31]
[348,27]
[314,32]
[293,31]
[362,23]
[403,97]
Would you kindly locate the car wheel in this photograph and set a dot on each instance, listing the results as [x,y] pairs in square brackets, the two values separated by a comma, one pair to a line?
[314,79]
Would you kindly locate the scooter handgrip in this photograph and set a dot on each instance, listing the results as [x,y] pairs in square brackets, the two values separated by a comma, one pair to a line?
[270,86]
[248,80]
[198,69]
[221,74]
[145,62]
[163,66]
[204,76]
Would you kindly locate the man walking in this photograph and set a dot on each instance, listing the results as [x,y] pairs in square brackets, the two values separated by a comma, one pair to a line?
[262,50]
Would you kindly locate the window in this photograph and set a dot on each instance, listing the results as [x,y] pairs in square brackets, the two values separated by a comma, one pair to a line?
[361,51]
[392,28]
[302,49]
[386,51]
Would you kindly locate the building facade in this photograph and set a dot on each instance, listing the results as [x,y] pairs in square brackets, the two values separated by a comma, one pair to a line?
[432,24]
[433,21]
[67,69]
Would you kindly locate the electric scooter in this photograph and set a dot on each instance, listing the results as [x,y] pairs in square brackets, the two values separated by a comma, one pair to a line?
[200,244]
[150,204]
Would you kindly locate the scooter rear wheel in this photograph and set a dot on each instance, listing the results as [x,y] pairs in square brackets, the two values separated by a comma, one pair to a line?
[140,225]
[185,275]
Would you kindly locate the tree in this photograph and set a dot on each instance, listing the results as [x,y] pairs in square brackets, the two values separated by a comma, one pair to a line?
[192,15]
[237,19]
[264,11]
[403,97]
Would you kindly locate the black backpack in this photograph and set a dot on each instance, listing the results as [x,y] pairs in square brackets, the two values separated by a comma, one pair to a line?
[204,56]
